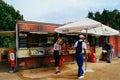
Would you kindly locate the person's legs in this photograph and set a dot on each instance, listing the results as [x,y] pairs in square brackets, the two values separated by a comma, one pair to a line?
[109,56]
[57,64]
[57,59]
[80,60]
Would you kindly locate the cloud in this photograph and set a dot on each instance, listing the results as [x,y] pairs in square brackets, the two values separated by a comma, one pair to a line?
[60,11]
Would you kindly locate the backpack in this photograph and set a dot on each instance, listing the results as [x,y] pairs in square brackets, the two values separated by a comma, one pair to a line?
[79,47]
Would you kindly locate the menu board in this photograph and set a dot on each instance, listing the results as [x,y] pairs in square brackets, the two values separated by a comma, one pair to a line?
[23,40]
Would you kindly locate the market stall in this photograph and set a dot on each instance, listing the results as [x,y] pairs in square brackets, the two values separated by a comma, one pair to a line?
[34,44]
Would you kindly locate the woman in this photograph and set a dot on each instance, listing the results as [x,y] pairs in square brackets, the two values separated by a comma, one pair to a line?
[57,49]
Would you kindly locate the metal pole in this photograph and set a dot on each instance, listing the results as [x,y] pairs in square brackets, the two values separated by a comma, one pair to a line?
[16,47]
[58,35]
[86,53]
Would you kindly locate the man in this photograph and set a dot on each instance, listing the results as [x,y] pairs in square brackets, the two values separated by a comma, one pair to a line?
[110,50]
[80,46]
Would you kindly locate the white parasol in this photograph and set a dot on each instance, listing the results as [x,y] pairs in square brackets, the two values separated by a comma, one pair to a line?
[87,26]
[101,30]
[83,24]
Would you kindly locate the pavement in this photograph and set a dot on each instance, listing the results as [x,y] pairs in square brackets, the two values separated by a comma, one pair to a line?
[95,71]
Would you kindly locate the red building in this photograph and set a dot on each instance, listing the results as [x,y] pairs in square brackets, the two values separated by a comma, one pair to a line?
[115,41]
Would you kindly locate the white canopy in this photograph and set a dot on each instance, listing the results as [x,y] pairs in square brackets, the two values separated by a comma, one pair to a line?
[103,30]
[83,24]
[88,26]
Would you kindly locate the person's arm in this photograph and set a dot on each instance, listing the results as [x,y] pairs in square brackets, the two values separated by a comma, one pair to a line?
[75,45]
[54,47]
[85,47]
[85,54]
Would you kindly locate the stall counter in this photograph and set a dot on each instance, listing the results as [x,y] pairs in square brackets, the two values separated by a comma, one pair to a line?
[37,61]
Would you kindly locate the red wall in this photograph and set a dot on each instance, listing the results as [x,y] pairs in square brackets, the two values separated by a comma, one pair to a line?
[113,40]
[119,46]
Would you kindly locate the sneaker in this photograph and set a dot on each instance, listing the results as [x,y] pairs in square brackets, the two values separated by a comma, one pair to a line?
[57,72]
[83,74]
[80,77]
[108,61]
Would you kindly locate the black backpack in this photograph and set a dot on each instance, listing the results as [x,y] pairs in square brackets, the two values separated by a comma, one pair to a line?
[79,47]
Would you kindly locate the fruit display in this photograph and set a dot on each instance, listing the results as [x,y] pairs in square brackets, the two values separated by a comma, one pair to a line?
[36,52]
[71,51]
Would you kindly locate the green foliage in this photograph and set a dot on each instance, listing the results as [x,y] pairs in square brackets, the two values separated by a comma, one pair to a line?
[107,17]
[8,17]
[7,41]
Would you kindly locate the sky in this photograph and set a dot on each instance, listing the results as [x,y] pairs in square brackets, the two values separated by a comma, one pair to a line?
[60,11]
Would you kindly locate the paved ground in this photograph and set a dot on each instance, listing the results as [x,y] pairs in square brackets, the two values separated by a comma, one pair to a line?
[96,71]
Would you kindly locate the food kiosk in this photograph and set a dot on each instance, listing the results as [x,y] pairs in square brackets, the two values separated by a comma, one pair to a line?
[34,44]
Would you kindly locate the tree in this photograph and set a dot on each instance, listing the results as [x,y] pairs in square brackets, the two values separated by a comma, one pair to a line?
[90,14]
[98,16]
[109,18]
[8,16]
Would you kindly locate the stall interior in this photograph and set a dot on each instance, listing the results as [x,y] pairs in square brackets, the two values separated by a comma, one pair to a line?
[97,45]
[68,43]
[32,44]
[41,44]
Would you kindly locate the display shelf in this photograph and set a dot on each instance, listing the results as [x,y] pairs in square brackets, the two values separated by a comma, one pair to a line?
[23,42]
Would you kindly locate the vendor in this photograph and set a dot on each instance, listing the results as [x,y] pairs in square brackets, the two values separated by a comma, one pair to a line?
[88,50]
[64,49]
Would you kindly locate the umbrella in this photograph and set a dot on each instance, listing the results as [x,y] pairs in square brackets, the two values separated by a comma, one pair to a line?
[83,24]
[108,31]
[102,30]
[87,26]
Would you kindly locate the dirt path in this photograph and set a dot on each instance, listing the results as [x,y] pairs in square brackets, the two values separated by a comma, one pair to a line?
[102,71]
